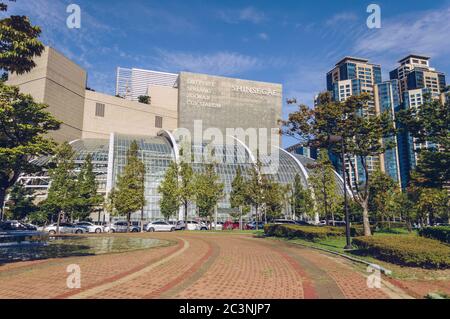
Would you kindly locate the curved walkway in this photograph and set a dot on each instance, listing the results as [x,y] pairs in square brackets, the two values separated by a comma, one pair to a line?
[198,265]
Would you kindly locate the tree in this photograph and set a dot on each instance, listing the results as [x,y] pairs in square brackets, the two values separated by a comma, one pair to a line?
[62,198]
[21,203]
[365,135]
[238,195]
[429,125]
[382,195]
[301,198]
[323,182]
[128,196]
[144,99]
[254,190]
[23,126]
[432,204]
[88,200]
[272,198]
[186,191]
[208,191]
[19,43]
[168,189]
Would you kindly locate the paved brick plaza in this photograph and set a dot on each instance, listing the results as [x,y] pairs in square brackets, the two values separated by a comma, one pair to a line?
[197,265]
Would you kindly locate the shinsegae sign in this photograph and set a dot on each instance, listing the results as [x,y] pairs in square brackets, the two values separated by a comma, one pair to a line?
[255,90]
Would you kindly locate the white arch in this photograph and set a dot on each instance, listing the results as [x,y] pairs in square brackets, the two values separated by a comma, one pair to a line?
[250,153]
[169,136]
[302,167]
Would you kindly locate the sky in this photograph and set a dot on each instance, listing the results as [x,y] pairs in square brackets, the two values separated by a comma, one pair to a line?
[293,43]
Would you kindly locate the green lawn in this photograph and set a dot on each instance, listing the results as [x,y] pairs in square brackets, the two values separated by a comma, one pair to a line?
[337,244]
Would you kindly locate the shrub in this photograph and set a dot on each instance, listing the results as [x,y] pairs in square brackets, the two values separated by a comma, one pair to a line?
[441,233]
[388,225]
[305,232]
[358,230]
[406,250]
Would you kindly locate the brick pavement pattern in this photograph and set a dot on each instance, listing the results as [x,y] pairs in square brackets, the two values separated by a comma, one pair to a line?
[197,265]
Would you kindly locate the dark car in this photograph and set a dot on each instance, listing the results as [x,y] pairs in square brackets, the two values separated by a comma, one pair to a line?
[13,225]
[252,225]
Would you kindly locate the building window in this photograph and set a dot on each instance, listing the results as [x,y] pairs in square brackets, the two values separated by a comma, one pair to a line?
[100,110]
[158,121]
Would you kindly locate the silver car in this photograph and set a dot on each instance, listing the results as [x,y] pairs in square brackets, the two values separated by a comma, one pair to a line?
[90,227]
[121,227]
[159,226]
[64,228]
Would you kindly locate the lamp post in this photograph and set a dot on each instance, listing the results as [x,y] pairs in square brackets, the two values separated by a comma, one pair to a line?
[335,139]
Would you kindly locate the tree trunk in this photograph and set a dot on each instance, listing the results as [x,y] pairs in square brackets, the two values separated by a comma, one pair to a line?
[366,222]
[142,220]
[240,217]
[58,222]
[185,213]
[2,202]
[128,222]
[257,217]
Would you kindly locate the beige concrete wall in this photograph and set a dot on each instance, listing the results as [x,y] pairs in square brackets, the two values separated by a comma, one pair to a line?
[124,117]
[60,83]
[163,97]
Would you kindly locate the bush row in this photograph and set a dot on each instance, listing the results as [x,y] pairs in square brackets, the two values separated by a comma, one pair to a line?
[441,233]
[305,232]
[358,230]
[387,225]
[406,250]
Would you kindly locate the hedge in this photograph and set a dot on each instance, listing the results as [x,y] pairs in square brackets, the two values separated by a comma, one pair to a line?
[305,232]
[441,233]
[358,230]
[406,250]
[387,225]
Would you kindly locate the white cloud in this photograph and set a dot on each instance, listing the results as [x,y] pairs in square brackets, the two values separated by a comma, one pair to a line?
[248,14]
[424,33]
[341,17]
[220,63]
[263,36]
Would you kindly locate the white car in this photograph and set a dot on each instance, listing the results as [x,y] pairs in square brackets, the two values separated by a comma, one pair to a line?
[90,227]
[159,226]
[64,228]
[190,225]
[219,226]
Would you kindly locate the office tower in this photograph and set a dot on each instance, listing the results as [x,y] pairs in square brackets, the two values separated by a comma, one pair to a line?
[416,78]
[354,76]
[416,73]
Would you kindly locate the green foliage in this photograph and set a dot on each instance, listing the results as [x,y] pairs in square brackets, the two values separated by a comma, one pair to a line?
[128,196]
[383,196]
[272,198]
[168,189]
[24,124]
[323,182]
[441,233]
[237,195]
[144,99]
[301,199]
[432,204]
[20,204]
[430,123]
[62,195]
[186,190]
[19,43]
[311,233]
[363,131]
[88,198]
[254,193]
[208,191]
[406,250]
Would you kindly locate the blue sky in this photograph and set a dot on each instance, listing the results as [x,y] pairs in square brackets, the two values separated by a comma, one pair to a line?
[290,42]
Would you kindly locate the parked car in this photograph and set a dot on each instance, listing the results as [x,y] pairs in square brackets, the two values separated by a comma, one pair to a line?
[302,223]
[90,227]
[121,227]
[64,228]
[219,226]
[284,222]
[159,226]
[252,225]
[190,225]
[13,225]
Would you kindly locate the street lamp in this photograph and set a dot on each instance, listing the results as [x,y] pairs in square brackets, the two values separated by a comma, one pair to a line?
[333,139]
